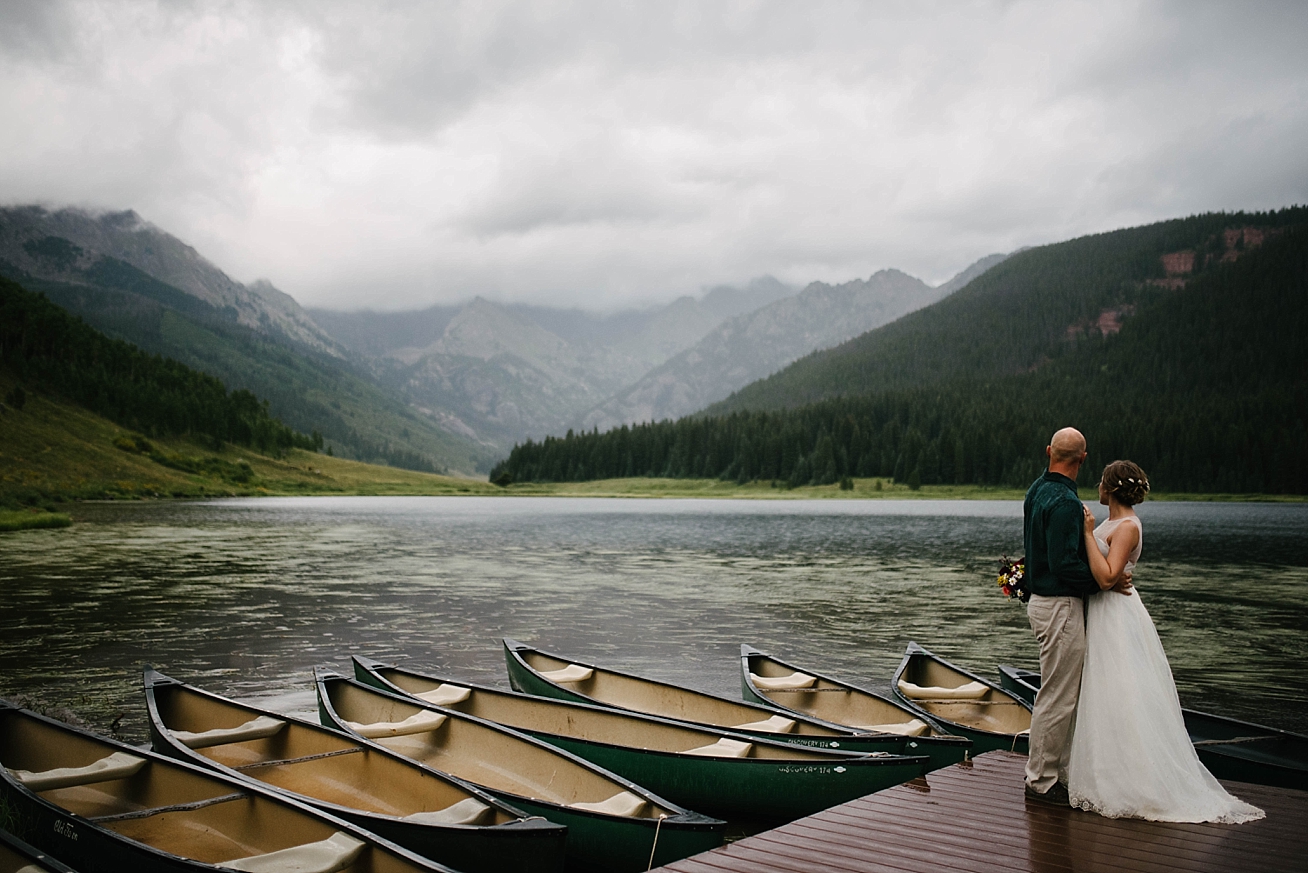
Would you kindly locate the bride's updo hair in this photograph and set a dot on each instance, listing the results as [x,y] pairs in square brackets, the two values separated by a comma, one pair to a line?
[1126,481]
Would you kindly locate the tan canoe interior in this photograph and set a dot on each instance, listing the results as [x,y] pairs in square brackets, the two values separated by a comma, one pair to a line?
[216,821]
[317,763]
[614,728]
[488,757]
[994,711]
[831,701]
[669,701]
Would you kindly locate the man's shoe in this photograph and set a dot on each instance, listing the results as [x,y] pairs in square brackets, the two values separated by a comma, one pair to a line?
[1056,796]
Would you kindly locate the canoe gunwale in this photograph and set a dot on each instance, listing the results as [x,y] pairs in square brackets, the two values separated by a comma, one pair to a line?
[38,857]
[747,652]
[159,732]
[682,816]
[912,651]
[145,857]
[875,771]
[836,732]
[834,754]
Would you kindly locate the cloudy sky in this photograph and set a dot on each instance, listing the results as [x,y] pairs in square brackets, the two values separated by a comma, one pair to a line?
[393,155]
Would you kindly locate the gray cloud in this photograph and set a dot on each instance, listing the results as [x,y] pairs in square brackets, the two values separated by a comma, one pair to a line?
[606,154]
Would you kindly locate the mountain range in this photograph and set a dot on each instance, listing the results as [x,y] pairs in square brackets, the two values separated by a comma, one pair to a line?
[506,372]
[754,345]
[137,283]
[451,387]
[1176,344]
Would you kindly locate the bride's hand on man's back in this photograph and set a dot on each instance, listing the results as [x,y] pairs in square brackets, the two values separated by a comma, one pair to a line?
[1088,520]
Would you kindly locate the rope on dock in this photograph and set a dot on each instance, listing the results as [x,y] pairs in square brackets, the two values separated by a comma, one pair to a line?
[658,824]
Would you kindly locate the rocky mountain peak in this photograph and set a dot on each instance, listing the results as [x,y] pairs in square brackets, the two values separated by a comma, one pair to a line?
[29,237]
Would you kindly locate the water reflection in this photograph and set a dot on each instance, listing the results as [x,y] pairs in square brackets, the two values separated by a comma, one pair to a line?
[246,596]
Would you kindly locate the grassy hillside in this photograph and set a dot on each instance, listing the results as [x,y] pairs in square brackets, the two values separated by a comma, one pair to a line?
[1032,309]
[1205,385]
[52,452]
[306,388]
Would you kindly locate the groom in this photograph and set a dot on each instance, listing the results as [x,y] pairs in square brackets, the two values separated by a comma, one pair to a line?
[1059,578]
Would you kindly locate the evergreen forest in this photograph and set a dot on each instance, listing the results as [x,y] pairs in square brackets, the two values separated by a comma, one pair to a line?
[51,351]
[1179,346]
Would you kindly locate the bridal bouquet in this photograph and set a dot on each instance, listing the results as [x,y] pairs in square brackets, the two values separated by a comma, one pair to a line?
[1012,579]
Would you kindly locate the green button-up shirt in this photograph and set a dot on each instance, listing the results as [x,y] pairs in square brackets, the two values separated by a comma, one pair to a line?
[1056,564]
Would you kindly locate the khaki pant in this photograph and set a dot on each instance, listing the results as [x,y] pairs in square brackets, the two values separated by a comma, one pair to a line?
[1059,625]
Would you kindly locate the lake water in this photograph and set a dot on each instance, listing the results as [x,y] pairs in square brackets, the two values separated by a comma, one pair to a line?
[244,597]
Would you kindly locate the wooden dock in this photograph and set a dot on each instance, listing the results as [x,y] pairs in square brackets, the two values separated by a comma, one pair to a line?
[974,817]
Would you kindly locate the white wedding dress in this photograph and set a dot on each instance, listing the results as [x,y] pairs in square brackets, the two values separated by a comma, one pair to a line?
[1131,756]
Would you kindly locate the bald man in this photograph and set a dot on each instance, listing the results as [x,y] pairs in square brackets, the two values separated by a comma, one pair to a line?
[1059,578]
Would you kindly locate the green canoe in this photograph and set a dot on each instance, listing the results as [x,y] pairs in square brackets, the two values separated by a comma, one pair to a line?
[432,813]
[1231,749]
[772,682]
[532,671]
[962,702]
[723,773]
[613,823]
[97,804]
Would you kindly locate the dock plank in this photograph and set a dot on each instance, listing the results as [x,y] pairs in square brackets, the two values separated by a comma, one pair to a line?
[973,817]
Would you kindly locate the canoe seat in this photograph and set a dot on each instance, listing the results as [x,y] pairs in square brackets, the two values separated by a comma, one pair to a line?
[414,724]
[911,728]
[445,695]
[622,803]
[254,729]
[333,854]
[970,691]
[777,724]
[570,673]
[466,812]
[119,765]
[723,748]
[783,683]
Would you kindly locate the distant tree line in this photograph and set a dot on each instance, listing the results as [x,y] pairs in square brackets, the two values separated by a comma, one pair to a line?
[1206,388]
[52,351]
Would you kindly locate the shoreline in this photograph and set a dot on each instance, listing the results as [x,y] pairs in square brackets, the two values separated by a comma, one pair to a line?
[54,455]
[404,483]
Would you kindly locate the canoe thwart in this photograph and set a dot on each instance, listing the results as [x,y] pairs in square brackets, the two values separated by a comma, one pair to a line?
[256,728]
[970,691]
[119,765]
[445,694]
[570,673]
[912,728]
[623,803]
[175,807]
[282,762]
[469,811]
[784,683]
[723,748]
[777,724]
[414,724]
[331,855]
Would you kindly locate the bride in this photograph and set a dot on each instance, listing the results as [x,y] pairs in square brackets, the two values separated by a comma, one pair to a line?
[1131,756]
